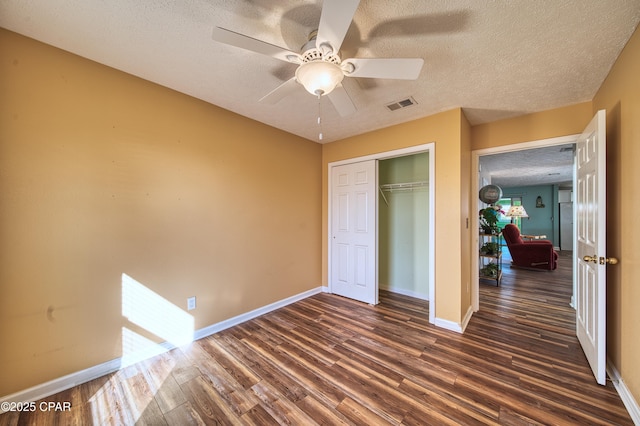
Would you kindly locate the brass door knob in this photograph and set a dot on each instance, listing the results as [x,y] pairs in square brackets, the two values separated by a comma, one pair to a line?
[593,259]
[609,260]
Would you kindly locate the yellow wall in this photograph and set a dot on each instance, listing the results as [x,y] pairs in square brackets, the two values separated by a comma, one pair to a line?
[444,130]
[553,123]
[101,174]
[620,96]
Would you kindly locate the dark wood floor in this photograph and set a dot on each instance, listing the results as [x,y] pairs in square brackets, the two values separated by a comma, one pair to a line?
[329,360]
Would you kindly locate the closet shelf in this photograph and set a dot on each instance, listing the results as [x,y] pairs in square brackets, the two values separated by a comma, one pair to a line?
[404,186]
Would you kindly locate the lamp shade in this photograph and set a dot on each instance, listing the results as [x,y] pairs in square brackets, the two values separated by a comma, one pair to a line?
[319,77]
[517,211]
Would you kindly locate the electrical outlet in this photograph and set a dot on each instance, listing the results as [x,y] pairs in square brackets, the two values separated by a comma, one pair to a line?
[191,303]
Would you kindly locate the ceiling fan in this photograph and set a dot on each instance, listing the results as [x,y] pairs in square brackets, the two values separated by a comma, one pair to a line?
[320,69]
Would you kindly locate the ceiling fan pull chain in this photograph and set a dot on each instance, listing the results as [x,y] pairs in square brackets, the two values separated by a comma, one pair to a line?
[320,115]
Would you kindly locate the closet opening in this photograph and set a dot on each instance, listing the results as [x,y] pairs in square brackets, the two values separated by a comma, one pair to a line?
[403,225]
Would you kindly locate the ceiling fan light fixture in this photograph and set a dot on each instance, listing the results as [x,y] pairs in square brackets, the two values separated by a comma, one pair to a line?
[319,77]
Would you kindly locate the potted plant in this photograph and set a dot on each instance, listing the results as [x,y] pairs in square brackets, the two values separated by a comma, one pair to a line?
[489,248]
[490,270]
[489,219]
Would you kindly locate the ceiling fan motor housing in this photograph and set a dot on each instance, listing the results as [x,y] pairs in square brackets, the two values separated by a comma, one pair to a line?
[315,54]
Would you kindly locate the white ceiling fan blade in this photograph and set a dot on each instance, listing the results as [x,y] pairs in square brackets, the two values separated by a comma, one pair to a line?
[341,101]
[280,92]
[335,20]
[396,68]
[245,42]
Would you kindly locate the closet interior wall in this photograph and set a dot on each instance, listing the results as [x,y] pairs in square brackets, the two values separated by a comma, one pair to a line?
[403,220]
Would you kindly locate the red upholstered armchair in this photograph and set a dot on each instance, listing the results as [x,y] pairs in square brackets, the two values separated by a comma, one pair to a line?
[537,254]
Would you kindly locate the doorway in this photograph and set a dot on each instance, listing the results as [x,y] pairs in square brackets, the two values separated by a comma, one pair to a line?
[425,257]
[528,197]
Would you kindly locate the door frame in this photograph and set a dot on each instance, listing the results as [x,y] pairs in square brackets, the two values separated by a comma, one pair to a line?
[429,148]
[474,220]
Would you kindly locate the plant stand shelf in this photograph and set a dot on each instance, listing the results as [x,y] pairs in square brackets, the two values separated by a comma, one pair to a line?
[490,253]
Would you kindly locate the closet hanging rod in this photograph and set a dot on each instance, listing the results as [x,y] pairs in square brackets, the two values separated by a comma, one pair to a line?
[403,186]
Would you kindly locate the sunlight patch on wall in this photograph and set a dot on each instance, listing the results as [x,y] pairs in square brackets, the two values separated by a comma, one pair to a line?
[155,314]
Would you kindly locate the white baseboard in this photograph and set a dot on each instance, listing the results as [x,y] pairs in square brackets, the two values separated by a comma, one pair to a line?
[627,398]
[454,326]
[467,318]
[448,325]
[405,292]
[60,384]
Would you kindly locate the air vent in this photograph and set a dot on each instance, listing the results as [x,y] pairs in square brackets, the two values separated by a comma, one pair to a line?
[401,104]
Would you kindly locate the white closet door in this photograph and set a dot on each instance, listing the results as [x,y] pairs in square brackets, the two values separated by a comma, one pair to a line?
[354,231]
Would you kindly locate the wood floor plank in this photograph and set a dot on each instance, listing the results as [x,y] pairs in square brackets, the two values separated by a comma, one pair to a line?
[208,403]
[374,395]
[258,416]
[233,393]
[243,375]
[183,415]
[585,403]
[298,368]
[151,415]
[464,408]
[307,343]
[321,413]
[405,366]
[169,395]
[369,367]
[359,414]
[280,408]
[267,369]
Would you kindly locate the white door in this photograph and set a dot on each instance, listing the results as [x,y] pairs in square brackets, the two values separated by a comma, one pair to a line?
[353,231]
[591,244]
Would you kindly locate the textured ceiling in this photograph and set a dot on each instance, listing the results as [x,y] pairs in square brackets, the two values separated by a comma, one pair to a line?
[539,166]
[496,59]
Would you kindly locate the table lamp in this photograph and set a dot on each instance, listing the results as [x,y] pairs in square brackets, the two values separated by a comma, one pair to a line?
[516,211]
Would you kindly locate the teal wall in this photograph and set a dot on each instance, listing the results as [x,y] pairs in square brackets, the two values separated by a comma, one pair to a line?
[404,227]
[541,221]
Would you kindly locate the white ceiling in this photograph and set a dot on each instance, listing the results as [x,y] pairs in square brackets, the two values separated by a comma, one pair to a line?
[494,58]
